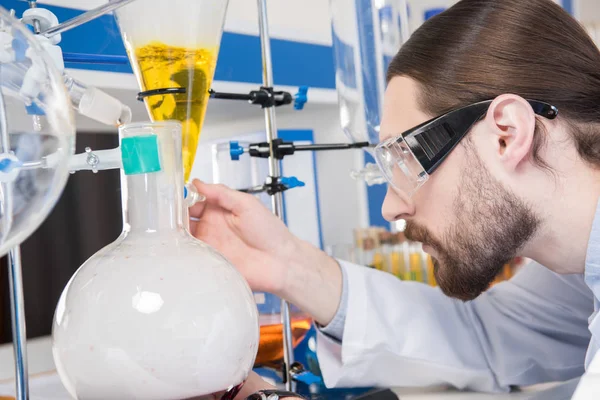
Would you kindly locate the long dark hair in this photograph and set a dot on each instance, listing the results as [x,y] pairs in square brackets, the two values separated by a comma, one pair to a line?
[479,49]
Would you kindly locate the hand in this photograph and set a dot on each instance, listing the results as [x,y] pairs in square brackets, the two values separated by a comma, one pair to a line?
[253,384]
[240,227]
[266,253]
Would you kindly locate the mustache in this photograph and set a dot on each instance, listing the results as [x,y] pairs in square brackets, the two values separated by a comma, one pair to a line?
[418,233]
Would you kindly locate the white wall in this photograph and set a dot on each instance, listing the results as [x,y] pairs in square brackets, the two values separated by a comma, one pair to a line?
[587,11]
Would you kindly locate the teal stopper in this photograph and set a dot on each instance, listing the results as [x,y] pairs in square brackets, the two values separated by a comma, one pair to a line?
[140,154]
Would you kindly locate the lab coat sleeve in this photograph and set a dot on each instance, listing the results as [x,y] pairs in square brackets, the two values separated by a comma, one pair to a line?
[528,330]
[335,328]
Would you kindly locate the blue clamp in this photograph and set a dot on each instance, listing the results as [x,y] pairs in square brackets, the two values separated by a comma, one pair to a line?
[308,378]
[7,165]
[291,182]
[235,151]
[34,109]
[301,98]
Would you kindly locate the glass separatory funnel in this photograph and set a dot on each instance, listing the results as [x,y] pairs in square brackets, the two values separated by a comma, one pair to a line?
[173,47]
[157,314]
[37,133]
[361,58]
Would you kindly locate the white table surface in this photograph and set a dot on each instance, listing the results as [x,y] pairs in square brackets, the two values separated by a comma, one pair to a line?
[43,375]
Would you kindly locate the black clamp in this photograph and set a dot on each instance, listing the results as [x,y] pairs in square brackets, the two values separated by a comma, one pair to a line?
[275,185]
[160,92]
[266,97]
[282,149]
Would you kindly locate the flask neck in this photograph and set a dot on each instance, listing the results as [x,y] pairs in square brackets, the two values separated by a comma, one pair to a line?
[152,178]
[149,207]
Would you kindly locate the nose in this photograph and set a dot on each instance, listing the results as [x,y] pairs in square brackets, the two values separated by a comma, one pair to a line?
[397,206]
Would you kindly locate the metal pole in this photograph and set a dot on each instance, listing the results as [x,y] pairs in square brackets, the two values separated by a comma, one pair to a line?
[15,277]
[274,171]
[17,308]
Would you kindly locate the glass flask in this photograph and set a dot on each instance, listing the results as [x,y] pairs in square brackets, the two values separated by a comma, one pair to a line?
[173,47]
[157,314]
[366,36]
[245,173]
[37,133]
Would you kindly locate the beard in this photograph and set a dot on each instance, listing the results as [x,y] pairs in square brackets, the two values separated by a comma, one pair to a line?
[491,225]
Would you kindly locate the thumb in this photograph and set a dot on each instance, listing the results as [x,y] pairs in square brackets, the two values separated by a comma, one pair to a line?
[221,196]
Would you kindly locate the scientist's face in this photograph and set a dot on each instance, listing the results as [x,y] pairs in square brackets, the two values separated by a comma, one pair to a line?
[466,219]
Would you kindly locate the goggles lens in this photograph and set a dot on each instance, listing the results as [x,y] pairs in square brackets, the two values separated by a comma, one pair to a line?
[399,166]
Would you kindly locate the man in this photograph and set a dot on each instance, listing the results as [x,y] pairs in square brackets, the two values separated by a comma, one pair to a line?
[510,168]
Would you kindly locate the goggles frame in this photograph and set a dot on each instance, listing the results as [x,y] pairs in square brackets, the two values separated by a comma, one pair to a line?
[430,143]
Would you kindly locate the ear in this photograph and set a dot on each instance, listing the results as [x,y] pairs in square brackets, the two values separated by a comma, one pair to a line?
[512,123]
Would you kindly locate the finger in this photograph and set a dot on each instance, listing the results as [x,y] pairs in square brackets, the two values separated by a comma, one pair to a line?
[197,210]
[229,199]
[193,227]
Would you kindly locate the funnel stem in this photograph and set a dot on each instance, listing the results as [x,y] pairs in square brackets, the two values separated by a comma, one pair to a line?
[274,172]
[85,17]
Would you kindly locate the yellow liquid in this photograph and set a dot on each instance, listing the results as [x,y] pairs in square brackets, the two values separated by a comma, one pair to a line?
[398,267]
[416,267]
[379,261]
[160,66]
[430,276]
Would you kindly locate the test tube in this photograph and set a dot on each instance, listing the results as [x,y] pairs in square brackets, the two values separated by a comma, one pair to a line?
[416,262]
[382,252]
[358,246]
[369,252]
[430,276]
[398,265]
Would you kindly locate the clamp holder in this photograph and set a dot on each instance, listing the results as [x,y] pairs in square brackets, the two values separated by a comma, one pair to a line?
[275,185]
[282,149]
[266,97]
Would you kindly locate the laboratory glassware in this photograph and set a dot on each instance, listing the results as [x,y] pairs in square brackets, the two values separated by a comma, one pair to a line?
[37,133]
[157,314]
[173,47]
[366,36]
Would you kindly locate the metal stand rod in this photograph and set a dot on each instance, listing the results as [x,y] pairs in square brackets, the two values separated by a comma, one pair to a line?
[15,277]
[274,171]
[19,333]
[334,146]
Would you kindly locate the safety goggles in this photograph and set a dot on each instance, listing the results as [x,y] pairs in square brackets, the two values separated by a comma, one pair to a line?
[407,161]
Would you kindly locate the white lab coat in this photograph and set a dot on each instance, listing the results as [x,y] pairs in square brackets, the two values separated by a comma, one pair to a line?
[531,329]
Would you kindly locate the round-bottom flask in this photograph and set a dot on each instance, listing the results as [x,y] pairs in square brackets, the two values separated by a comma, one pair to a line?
[156,314]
